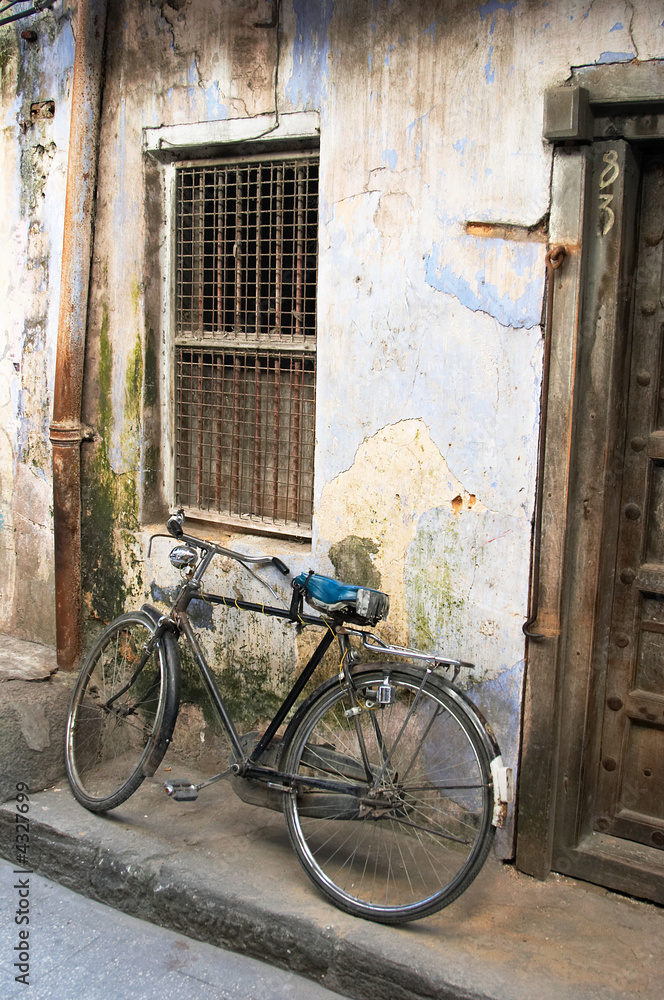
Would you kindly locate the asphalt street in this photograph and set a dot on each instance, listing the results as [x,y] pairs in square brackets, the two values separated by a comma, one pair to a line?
[72,948]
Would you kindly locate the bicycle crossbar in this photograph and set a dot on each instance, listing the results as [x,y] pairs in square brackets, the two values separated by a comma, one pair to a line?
[264,609]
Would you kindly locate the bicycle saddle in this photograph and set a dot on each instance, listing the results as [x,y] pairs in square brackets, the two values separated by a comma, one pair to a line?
[358,604]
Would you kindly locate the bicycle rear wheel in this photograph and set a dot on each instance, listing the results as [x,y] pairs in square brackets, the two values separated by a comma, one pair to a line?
[122,712]
[415,827]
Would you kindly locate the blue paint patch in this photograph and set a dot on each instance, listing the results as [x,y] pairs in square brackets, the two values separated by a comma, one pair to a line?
[216,109]
[617,26]
[615,57]
[499,700]
[2,522]
[199,611]
[492,6]
[417,121]
[307,87]
[489,72]
[370,60]
[390,157]
[521,313]
[460,145]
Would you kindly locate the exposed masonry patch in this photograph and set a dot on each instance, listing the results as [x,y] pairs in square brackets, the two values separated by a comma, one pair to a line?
[397,475]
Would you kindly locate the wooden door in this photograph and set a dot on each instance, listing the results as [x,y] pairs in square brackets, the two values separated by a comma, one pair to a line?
[629,800]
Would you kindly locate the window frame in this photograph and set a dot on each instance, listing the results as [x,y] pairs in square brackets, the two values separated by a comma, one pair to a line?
[200,144]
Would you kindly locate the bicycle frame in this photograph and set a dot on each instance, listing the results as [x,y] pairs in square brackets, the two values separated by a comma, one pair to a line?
[389,778]
[178,619]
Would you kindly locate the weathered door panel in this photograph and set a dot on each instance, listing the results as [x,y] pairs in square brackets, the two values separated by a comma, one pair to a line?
[610,785]
[598,434]
[630,785]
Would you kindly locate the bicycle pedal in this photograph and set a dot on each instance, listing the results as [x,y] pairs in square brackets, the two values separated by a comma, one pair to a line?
[181,789]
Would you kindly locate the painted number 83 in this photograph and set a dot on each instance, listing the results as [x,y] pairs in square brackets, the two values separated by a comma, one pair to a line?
[609,174]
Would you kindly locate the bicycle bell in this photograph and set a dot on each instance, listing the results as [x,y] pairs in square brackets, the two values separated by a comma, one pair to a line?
[183,556]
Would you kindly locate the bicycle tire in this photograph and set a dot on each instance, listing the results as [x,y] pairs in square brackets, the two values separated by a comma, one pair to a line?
[110,749]
[401,862]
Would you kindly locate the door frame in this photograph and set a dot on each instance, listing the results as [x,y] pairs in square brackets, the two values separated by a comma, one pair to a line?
[563,686]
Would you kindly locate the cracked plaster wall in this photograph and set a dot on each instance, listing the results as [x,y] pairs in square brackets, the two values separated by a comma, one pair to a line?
[429,357]
[33,158]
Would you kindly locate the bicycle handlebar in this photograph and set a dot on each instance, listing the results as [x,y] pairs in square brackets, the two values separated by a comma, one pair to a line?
[174,528]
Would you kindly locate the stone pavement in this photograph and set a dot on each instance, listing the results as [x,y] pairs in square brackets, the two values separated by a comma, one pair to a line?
[80,948]
[223,872]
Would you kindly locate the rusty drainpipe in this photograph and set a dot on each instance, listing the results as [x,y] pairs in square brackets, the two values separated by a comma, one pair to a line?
[66,432]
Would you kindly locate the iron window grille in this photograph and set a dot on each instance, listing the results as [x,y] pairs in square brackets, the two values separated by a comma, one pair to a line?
[246,247]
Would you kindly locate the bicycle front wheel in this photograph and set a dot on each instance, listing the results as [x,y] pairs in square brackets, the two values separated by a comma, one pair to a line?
[122,713]
[413,827]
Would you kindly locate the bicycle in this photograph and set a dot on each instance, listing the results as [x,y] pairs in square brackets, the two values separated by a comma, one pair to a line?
[390,779]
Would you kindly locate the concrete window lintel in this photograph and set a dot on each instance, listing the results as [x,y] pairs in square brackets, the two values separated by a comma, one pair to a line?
[169,140]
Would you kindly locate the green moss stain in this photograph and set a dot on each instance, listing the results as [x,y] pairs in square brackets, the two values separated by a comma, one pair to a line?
[246,683]
[105,368]
[132,407]
[8,51]
[110,500]
[351,558]
[247,692]
[135,292]
[194,692]
[150,385]
[434,601]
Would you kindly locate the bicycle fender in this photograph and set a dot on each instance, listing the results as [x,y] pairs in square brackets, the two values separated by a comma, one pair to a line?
[162,739]
[502,776]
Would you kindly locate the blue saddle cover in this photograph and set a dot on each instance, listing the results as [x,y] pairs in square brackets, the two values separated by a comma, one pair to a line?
[326,594]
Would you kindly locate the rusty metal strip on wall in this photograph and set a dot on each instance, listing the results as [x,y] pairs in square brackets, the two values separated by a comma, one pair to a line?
[66,431]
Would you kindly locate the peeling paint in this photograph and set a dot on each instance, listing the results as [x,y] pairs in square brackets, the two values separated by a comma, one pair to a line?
[307,86]
[396,475]
[615,57]
[513,297]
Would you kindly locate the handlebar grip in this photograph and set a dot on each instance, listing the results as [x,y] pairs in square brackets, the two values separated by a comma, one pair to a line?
[281,566]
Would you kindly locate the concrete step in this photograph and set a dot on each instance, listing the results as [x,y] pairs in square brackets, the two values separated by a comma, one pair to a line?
[222,871]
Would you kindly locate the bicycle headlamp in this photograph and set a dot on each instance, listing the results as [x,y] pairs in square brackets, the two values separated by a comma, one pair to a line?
[183,556]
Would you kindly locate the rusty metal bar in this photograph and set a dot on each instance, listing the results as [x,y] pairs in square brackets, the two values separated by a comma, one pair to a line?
[199,428]
[257,478]
[275,434]
[297,366]
[197,256]
[299,256]
[65,431]
[238,250]
[258,255]
[235,441]
[218,369]
[220,208]
[279,247]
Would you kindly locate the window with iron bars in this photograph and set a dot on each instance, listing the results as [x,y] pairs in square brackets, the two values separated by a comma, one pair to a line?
[246,247]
